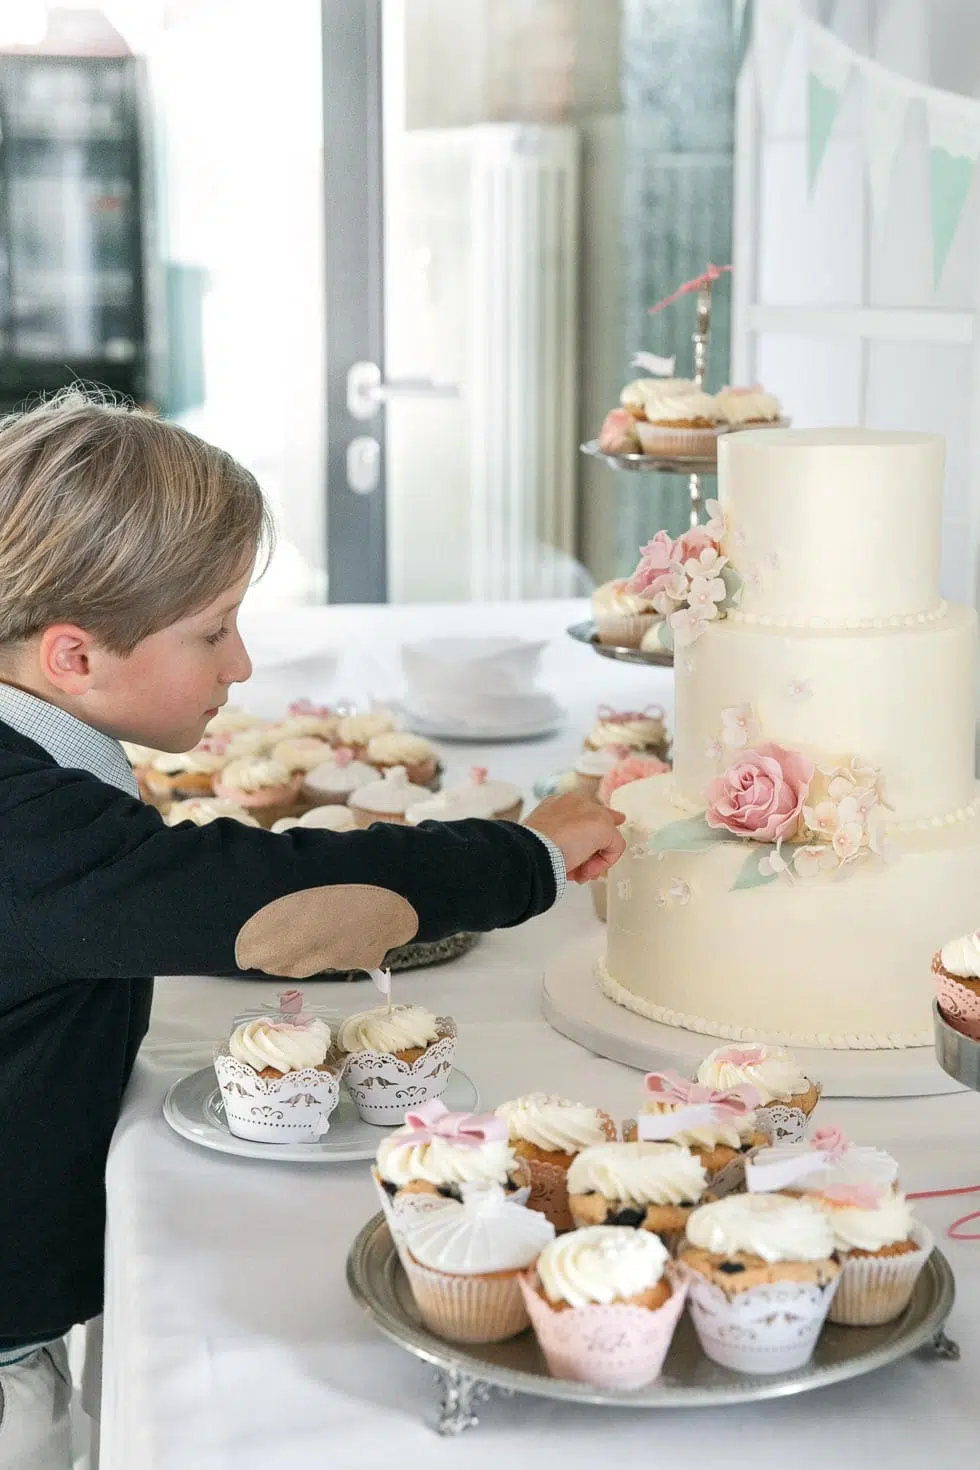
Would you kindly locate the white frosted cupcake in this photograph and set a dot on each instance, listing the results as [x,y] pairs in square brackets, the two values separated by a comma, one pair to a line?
[648,1186]
[604,1303]
[176,776]
[882,1249]
[828,1160]
[593,765]
[414,753]
[635,395]
[324,818]
[762,1273]
[202,810]
[354,731]
[335,779]
[787,1097]
[464,1260]
[436,1152]
[752,407]
[301,723]
[548,1132]
[450,806]
[301,752]
[722,1128]
[643,731]
[232,720]
[396,1058]
[956,979]
[279,1079]
[387,800]
[264,787]
[622,618]
[680,423]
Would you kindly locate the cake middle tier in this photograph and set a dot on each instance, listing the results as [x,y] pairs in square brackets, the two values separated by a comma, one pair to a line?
[899,699]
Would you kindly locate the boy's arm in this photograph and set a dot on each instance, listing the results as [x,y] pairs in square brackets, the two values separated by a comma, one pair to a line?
[98,886]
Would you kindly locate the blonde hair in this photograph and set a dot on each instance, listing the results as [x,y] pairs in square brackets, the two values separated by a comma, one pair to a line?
[116,520]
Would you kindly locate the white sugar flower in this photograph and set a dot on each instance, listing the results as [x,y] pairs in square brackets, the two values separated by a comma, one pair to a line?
[687,625]
[774,865]
[705,593]
[808,861]
[799,689]
[821,819]
[708,563]
[714,750]
[848,840]
[737,726]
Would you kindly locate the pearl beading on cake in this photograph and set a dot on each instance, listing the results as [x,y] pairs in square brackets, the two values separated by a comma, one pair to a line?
[870,1041]
[918,824]
[896,620]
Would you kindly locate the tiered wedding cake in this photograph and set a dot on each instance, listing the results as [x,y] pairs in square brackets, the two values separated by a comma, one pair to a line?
[819,837]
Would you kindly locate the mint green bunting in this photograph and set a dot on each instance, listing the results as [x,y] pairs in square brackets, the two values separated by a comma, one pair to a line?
[822,105]
[951,177]
[743,31]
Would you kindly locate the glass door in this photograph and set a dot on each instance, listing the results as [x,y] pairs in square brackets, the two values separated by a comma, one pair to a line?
[509,185]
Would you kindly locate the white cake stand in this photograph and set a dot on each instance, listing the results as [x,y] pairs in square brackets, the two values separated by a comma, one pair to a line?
[575,1005]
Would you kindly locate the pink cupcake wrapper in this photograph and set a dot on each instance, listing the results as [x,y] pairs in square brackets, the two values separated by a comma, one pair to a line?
[959,1004]
[877,1289]
[616,1346]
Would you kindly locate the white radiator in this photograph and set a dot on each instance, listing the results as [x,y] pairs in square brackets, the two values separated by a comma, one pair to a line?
[481,269]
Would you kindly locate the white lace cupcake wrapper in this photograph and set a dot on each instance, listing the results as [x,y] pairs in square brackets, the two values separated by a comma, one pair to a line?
[766,1329]
[877,1289]
[384,1088]
[783,1124]
[617,1346]
[294,1108]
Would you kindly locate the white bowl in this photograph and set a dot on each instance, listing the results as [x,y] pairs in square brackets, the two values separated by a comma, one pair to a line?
[500,665]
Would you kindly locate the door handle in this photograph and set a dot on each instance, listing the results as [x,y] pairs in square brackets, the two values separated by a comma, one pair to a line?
[367,391]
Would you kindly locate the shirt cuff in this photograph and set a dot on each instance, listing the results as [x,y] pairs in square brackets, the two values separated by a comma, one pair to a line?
[557,863]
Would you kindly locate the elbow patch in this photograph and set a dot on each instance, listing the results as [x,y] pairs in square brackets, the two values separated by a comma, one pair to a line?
[350,926]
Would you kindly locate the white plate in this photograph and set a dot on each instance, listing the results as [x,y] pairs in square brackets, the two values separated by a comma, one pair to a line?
[193,1109]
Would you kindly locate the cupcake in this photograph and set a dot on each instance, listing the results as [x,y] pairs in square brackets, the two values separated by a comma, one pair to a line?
[279,1079]
[604,1303]
[592,765]
[232,720]
[506,799]
[264,787]
[356,731]
[618,433]
[464,1260]
[625,772]
[386,800]
[644,731]
[175,777]
[649,1186]
[635,395]
[479,797]
[882,1250]
[413,752]
[334,780]
[325,818]
[956,978]
[679,423]
[300,752]
[396,1057]
[253,741]
[140,757]
[762,1274]
[787,1098]
[828,1160]
[201,810]
[548,1133]
[622,618]
[305,719]
[719,1128]
[743,408]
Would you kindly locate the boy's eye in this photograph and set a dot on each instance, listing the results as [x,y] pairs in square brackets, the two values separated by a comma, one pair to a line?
[214,638]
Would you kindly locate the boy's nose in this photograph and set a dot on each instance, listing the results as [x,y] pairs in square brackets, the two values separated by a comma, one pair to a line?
[240,665]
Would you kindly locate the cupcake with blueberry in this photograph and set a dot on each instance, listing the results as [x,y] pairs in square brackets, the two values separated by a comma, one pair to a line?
[279,1078]
[549,1133]
[387,800]
[264,787]
[416,755]
[787,1097]
[173,776]
[396,1056]
[649,1186]
[720,1128]
[604,1303]
[762,1270]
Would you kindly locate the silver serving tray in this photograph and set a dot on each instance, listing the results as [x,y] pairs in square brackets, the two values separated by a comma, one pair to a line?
[956,1054]
[586,633]
[647,464]
[467,1374]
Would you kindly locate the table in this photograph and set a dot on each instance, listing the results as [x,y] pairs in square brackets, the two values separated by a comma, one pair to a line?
[231,1340]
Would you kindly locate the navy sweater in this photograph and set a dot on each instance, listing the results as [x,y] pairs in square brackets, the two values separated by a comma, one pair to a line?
[97,895]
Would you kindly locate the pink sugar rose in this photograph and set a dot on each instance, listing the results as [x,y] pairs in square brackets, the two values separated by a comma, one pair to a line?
[634,768]
[761,794]
[693,542]
[655,563]
[618,433]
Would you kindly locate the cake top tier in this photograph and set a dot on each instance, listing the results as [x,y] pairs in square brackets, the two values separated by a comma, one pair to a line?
[832,527]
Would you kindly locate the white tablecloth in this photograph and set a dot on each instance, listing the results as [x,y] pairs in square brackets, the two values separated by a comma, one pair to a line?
[231,1340]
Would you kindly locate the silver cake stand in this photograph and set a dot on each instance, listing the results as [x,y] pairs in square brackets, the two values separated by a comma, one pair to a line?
[466,1375]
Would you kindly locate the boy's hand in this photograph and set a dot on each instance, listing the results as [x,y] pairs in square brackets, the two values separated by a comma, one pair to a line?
[585,832]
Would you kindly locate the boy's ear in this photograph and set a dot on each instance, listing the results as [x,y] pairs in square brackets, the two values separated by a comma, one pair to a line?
[64,651]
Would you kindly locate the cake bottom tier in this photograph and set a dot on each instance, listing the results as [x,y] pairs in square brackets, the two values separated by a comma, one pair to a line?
[837,960]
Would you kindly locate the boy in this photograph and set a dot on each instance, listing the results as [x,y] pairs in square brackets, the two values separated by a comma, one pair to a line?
[126,546]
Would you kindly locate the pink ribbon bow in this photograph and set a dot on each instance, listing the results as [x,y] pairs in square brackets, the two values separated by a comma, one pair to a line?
[853,1196]
[668,1087]
[307,707]
[742,1056]
[707,278]
[434,1120]
[611,716]
[291,1001]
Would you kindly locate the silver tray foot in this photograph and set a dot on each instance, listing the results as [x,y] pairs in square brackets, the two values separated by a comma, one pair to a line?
[459,1395]
[943,1348]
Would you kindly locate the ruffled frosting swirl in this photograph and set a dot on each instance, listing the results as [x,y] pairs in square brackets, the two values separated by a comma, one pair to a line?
[732,1133]
[400,1029]
[601,1264]
[774,1227]
[331,775]
[359,729]
[443,1161]
[774,1074]
[961,957]
[175,763]
[300,752]
[255,773]
[553,1123]
[677,403]
[287,1047]
[635,395]
[486,1232]
[855,1228]
[640,1173]
[747,405]
[397,748]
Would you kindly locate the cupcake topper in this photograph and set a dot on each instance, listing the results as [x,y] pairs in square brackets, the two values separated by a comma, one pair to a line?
[291,1002]
[699,283]
[774,1168]
[382,979]
[669,1088]
[830,1140]
[434,1120]
[478,775]
[660,367]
